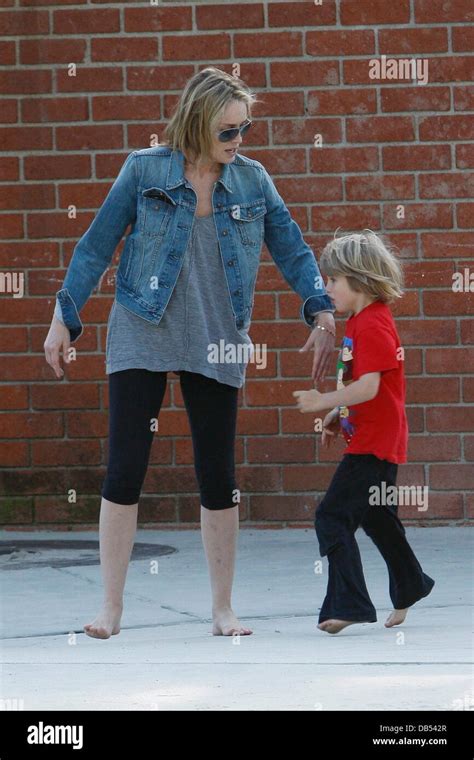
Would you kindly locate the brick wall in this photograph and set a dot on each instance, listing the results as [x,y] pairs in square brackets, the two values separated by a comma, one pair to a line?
[385,145]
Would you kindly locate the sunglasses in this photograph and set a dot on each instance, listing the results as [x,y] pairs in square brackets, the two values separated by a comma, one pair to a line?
[230,134]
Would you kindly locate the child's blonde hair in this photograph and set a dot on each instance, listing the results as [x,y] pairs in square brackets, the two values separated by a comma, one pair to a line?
[367,262]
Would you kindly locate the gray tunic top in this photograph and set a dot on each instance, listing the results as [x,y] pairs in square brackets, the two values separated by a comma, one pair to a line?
[197,331]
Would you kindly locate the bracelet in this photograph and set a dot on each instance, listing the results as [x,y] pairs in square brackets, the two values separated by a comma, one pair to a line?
[320,327]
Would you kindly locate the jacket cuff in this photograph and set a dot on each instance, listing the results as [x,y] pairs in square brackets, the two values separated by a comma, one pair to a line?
[70,314]
[313,305]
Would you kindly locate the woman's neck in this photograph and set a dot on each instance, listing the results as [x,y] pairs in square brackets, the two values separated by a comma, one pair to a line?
[203,171]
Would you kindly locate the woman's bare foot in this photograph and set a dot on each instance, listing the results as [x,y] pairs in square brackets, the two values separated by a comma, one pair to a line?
[224,623]
[396,617]
[106,624]
[334,626]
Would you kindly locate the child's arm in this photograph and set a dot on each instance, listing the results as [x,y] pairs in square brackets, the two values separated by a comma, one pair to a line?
[363,389]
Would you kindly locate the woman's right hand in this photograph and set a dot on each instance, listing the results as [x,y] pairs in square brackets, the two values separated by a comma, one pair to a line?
[57,338]
[331,427]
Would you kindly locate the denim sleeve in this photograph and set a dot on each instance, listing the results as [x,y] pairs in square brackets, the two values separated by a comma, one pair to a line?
[293,257]
[94,251]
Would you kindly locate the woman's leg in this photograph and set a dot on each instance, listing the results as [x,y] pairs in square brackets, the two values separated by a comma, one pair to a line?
[212,412]
[117,527]
[219,531]
[135,398]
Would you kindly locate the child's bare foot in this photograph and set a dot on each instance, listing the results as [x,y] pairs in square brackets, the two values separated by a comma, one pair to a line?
[334,626]
[106,624]
[224,623]
[396,617]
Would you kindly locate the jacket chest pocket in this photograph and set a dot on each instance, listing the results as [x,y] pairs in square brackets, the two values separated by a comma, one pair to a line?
[157,208]
[249,221]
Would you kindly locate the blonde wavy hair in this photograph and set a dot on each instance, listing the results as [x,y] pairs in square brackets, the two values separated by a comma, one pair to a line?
[367,261]
[199,110]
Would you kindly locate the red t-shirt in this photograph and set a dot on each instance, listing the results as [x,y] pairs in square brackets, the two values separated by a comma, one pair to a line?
[371,344]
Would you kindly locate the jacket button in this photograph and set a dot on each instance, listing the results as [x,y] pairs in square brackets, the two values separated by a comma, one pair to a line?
[236,292]
[231,263]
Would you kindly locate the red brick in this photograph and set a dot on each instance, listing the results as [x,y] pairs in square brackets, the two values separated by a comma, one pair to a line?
[447,244]
[434,448]
[342,42]
[464,98]
[436,302]
[374,12]
[191,47]
[159,20]
[381,187]
[465,215]
[124,49]
[419,40]
[446,476]
[421,98]
[126,107]
[450,419]
[439,11]
[90,79]
[54,109]
[416,157]
[51,51]
[25,22]
[304,73]
[439,185]
[339,101]
[348,217]
[296,14]
[303,131]
[457,127]
[463,38]
[7,53]
[468,389]
[343,160]
[465,156]
[264,44]
[26,81]
[435,390]
[86,21]
[369,129]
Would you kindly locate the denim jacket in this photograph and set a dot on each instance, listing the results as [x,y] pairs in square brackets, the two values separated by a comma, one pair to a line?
[152,195]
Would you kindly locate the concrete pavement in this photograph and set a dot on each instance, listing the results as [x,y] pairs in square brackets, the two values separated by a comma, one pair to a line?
[166,659]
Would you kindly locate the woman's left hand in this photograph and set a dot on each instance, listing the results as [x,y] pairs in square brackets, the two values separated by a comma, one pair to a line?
[323,343]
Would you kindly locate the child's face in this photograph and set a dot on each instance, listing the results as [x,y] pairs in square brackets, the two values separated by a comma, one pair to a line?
[338,289]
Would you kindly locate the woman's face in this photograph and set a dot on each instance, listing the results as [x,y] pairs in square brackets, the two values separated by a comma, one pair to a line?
[234,115]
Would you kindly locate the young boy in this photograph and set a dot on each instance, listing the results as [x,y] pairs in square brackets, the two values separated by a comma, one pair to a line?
[363,276]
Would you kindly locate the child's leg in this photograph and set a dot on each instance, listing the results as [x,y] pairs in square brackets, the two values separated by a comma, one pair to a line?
[337,518]
[407,581]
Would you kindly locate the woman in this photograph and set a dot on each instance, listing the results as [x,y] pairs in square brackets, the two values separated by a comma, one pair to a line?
[199,214]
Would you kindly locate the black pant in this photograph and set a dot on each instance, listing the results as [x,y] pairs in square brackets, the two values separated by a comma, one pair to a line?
[343,509]
[135,398]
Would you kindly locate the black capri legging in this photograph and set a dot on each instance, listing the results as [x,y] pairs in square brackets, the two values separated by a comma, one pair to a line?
[135,398]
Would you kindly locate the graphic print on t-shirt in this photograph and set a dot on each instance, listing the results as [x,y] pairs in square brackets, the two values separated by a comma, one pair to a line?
[344,377]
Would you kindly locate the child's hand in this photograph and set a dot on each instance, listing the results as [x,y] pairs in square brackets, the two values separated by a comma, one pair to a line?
[331,427]
[310,401]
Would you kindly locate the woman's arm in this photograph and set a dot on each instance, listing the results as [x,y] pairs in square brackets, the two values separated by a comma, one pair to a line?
[293,257]
[94,251]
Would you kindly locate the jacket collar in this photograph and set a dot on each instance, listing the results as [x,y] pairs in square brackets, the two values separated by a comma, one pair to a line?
[176,172]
